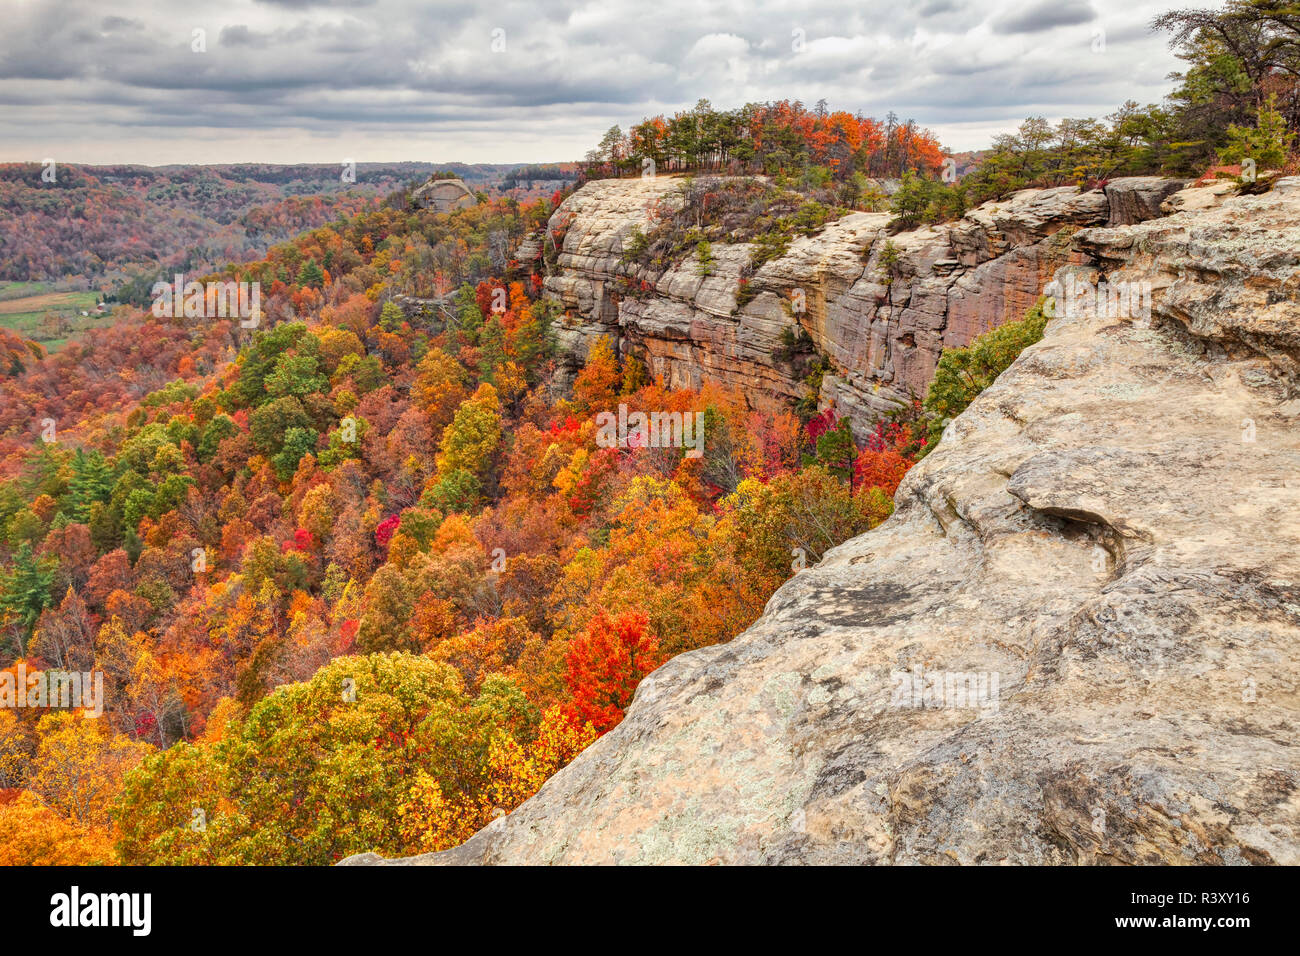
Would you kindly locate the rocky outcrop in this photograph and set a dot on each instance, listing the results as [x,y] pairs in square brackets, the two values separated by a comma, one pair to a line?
[426,313]
[443,195]
[883,329]
[530,248]
[1075,641]
[1138,198]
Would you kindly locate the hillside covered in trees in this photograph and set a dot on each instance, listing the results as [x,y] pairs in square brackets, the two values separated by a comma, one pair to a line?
[351,499]
[118,228]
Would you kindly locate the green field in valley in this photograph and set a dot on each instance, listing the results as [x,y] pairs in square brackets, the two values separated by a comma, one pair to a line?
[37,311]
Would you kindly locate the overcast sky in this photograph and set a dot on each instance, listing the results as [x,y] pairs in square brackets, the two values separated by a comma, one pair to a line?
[287,81]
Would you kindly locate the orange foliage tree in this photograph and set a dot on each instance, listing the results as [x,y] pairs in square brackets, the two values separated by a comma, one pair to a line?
[605,664]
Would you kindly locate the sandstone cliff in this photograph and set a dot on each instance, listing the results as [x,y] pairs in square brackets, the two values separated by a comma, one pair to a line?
[882,333]
[1107,538]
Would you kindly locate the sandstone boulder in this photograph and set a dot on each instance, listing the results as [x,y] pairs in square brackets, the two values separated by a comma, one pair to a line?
[1138,198]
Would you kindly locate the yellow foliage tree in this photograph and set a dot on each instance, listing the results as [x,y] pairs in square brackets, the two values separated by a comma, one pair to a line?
[518,772]
[31,834]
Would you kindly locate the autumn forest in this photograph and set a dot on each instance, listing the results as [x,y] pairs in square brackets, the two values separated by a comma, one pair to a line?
[362,577]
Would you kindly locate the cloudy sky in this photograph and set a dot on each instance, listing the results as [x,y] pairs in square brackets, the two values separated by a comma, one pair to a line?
[198,81]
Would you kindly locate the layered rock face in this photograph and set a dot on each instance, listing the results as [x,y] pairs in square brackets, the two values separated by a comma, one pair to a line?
[882,328]
[1075,641]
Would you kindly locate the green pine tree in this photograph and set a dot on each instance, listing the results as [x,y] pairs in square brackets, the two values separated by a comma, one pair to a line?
[391,316]
[311,274]
[25,591]
[92,481]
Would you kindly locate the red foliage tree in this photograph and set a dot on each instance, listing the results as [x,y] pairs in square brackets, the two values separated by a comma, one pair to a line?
[821,423]
[386,529]
[884,461]
[605,664]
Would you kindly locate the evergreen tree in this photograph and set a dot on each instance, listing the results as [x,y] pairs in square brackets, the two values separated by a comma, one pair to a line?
[836,450]
[92,481]
[310,274]
[391,316]
[25,591]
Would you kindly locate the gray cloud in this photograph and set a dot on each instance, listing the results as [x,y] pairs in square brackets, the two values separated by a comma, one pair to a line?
[1045,16]
[241,35]
[298,81]
[304,4]
[111,23]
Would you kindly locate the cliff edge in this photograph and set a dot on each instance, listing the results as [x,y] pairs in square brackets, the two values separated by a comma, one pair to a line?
[880,307]
[1076,640]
